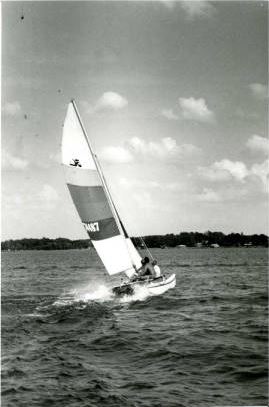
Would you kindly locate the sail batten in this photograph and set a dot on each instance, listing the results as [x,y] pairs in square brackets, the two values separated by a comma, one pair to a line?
[93,201]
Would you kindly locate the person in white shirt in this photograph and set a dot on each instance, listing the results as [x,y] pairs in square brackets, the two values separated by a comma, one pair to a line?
[157,270]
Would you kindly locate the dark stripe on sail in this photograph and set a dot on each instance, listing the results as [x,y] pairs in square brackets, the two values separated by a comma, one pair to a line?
[91,202]
[102,229]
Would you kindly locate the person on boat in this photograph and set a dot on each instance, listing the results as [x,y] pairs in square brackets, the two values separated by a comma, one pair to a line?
[157,269]
[139,272]
[147,269]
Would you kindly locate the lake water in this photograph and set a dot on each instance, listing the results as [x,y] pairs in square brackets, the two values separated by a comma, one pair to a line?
[67,342]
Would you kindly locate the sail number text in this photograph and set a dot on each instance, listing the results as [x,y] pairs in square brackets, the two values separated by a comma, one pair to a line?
[92,227]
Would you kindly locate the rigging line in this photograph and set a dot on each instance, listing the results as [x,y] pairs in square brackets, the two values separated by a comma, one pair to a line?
[144,243]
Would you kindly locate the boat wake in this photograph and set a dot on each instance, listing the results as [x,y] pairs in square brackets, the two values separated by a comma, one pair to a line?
[92,292]
[99,293]
[141,293]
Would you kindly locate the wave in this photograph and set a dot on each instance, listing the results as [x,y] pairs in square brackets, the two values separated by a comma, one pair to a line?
[72,312]
[223,265]
[13,372]
[249,375]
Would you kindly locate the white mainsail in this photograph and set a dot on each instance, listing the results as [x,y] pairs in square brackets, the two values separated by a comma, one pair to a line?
[93,201]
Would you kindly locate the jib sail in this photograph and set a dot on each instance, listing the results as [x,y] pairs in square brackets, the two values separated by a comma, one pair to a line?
[92,199]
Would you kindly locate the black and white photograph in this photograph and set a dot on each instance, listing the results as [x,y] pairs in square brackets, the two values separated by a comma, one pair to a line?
[134,238]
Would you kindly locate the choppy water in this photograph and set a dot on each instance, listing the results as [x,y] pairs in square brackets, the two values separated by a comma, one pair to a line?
[67,343]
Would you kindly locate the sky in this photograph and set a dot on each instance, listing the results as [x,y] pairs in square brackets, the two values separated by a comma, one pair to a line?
[173,95]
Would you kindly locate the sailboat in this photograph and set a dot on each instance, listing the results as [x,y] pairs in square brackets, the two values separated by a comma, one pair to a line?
[97,211]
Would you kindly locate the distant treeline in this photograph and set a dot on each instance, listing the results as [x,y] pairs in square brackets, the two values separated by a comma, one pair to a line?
[192,239]
[189,239]
[45,244]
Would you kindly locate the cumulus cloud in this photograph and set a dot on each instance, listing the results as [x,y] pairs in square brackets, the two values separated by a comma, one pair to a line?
[197,9]
[169,114]
[224,170]
[109,100]
[259,91]
[258,143]
[118,154]
[261,171]
[237,169]
[10,161]
[48,193]
[195,109]
[165,149]
[12,108]
[112,100]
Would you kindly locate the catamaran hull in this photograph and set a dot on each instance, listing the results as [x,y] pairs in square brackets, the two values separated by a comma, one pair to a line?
[155,287]
[158,288]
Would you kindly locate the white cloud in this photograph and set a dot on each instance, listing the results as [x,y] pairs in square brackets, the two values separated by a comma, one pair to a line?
[210,174]
[12,108]
[197,9]
[258,143]
[195,109]
[48,194]
[237,169]
[208,195]
[262,172]
[109,100]
[10,161]
[224,170]
[259,90]
[169,114]
[117,155]
[167,147]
